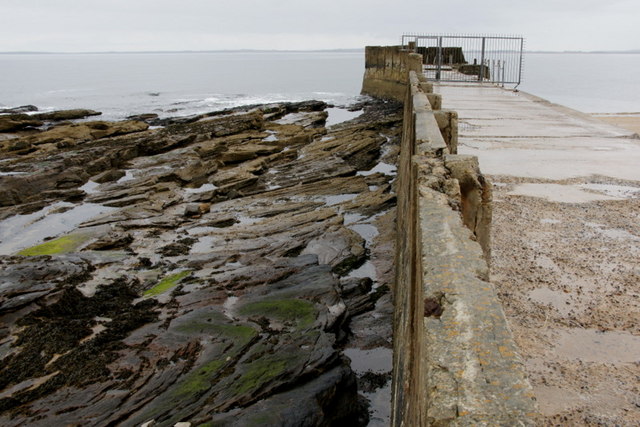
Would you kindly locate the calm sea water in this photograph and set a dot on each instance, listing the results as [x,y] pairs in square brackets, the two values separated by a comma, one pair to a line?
[589,82]
[173,84]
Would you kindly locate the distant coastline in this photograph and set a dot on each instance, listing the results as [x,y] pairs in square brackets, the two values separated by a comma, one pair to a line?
[184,51]
[634,51]
[350,50]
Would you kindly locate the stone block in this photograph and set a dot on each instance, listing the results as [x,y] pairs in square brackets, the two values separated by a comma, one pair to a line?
[448,124]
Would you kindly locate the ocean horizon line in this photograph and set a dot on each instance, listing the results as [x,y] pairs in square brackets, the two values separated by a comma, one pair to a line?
[28,52]
[342,50]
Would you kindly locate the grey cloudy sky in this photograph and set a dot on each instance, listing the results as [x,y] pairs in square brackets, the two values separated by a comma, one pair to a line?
[131,25]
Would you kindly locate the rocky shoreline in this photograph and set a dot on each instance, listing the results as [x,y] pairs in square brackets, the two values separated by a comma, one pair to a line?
[218,269]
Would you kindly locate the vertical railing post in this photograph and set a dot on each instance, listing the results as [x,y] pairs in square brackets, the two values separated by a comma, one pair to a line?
[520,62]
[481,72]
[439,58]
[504,65]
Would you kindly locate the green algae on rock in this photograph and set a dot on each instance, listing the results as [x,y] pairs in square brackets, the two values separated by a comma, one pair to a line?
[301,312]
[261,371]
[202,378]
[167,283]
[61,245]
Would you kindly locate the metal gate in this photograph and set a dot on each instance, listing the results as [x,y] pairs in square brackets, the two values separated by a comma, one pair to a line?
[455,58]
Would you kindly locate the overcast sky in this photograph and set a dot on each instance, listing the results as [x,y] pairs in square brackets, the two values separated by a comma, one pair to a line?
[133,25]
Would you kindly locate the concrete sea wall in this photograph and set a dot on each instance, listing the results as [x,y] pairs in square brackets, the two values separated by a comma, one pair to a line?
[387,71]
[455,362]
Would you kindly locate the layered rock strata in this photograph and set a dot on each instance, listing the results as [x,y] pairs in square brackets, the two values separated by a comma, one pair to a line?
[216,270]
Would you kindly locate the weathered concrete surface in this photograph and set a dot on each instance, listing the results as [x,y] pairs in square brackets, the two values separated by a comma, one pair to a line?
[566,242]
[471,368]
[387,71]
[475,197]
[454,358]
[521,135]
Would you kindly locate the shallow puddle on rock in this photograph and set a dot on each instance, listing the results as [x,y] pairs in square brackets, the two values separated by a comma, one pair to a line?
[12,173]
[367,231]
[340,115]
[90,187]
[290,118]
[228,306]
[272,136]
[22,231]
[128,176]
[339,198]
[350,218]
[590,345]
[365,270]
[381,167]
[235,264]
[201,189]
[196,231]
[380,408]
[204,245]
[379,361]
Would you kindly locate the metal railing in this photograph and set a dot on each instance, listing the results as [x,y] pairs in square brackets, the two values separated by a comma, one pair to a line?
[469,58]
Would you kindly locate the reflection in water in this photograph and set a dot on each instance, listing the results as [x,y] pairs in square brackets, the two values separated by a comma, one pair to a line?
[22,231]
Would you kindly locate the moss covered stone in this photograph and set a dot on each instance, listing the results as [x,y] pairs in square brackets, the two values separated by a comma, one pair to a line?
[212,324]
[239,334]
[167,283]
[61,245]
[200,380]
[262,371]
[300,312]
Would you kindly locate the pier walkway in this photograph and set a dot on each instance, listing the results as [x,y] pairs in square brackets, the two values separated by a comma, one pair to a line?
[514,133]
[565,244]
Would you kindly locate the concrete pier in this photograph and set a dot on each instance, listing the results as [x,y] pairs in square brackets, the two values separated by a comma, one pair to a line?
[565,246]
[454,359]
[517,134]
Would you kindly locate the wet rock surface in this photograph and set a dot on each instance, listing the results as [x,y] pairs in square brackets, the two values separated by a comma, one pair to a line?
[231,269]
